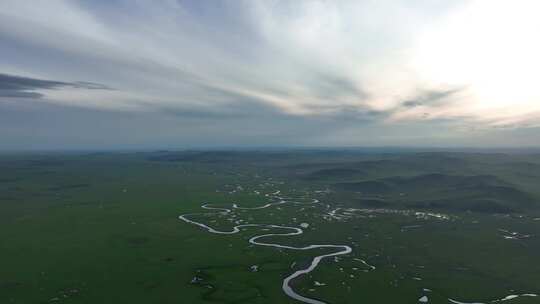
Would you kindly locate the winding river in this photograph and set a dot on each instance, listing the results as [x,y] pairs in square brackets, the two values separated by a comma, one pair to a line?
[340,249]
[257,240]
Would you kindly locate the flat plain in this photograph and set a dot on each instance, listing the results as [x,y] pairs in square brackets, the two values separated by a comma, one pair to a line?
[106,227]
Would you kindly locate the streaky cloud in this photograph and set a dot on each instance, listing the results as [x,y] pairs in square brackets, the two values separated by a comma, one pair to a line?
[20,86]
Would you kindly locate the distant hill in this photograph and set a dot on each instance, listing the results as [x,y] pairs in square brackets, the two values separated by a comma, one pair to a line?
[481,182]
[481,193]
[324,174]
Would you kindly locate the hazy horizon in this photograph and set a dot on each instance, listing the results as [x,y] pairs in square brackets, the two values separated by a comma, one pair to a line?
[286,149]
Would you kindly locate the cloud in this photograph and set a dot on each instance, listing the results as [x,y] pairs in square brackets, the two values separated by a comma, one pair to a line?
[296,57]
[431,97]
[362,69]
[18,86]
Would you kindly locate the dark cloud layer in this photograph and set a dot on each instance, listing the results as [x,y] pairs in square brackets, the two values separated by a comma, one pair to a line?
[431,97]
[18,86]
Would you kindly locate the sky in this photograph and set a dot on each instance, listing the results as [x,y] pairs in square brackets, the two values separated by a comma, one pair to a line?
[179,74]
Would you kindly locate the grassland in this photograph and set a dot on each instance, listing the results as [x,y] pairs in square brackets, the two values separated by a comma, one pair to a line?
[104,228]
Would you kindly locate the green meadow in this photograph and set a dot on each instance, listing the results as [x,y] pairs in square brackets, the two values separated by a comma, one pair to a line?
[104,227]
